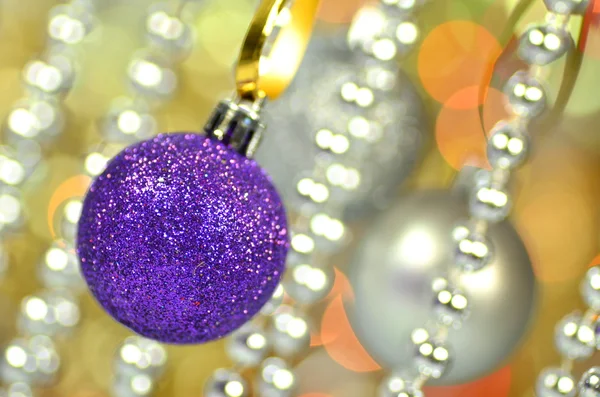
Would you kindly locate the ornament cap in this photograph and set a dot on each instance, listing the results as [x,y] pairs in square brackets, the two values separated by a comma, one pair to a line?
[274,47]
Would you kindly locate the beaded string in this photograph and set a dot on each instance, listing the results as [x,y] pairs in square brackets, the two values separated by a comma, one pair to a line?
[54,311]
[276,339]
[35,121]
[489,199]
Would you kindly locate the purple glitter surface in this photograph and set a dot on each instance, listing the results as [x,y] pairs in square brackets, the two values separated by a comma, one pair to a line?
[181,239]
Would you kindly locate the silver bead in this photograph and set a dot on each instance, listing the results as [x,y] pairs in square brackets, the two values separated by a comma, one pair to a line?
[489,202]
[70,217]
[168,32]
[275,379]
[226,383]
[451,304]
[152,77]
[51,312]
[431,357]
[12,214]
[590,288]
[574,337]
[589,385]
[128,122]
[138,385]
[137,355]
[311,190]
[31,360]
[308,284]
[18,389]
[50,76]
[397,386]
[566,7]
[330,232]
[69,24]
[59,267]
[289,333]
[404,5]
[382,36]
[473,251]
[525,94]
[247,346]
[507,146]
[19,161]
[40,120]
[555,382]
[543,44]
[273,303]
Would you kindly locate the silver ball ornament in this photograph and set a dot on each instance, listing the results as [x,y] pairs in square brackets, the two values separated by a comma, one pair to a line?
[393,268]
[364,123]
[589,385]
[555,382]
[226,383]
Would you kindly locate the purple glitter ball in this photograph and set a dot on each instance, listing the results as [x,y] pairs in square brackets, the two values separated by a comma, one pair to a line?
[182,239]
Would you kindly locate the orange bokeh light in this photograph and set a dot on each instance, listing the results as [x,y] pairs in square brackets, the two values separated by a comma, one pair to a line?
[459,134]
[456,55]
[342,344]
[595,261]
[341,288]
[494,385]
[75,186]
[339,11]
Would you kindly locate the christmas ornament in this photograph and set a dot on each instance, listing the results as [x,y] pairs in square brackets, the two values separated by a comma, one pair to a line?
[430,353]
[183,238]
[407,251]
[336,99]
[351,121]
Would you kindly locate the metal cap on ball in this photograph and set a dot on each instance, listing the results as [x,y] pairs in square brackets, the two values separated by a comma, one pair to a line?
[183,237]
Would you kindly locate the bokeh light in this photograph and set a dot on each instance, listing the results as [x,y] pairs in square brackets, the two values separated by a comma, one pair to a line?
[495,385]
[73,187]
[453,56]
[459,135]
[345,348]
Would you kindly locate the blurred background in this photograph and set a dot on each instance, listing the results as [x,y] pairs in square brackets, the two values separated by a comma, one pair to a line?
[556,208]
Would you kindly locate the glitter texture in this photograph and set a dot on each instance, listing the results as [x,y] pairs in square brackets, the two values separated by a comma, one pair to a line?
[181,239]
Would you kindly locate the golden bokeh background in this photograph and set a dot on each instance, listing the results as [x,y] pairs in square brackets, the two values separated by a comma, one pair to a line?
[557,192]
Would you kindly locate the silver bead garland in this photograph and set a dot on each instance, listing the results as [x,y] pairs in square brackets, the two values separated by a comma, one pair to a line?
[281,333]
[31,359]
[490,202]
